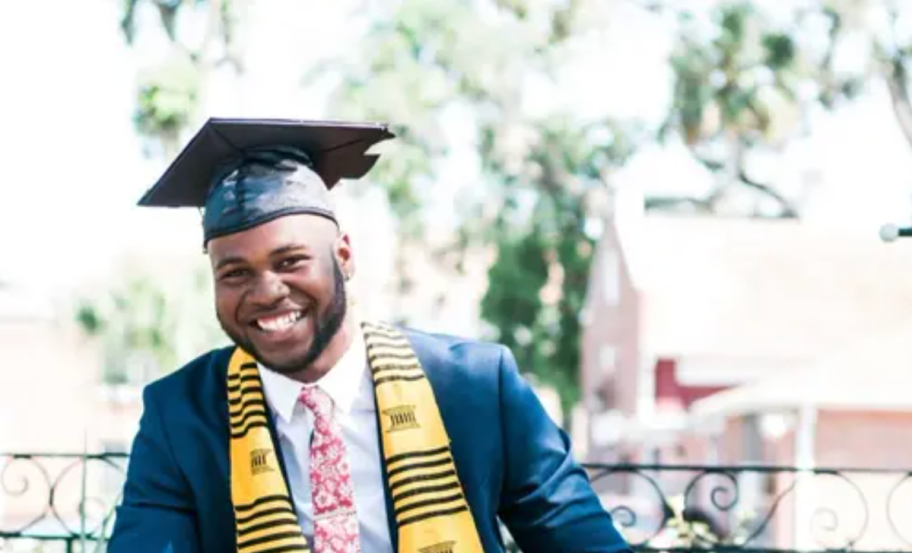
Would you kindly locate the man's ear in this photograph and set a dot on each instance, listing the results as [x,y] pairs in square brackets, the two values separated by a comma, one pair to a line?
[344,255]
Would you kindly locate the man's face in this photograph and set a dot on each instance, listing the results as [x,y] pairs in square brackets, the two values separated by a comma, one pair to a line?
[280,290]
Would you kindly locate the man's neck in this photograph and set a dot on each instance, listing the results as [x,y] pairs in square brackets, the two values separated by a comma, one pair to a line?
[331,356]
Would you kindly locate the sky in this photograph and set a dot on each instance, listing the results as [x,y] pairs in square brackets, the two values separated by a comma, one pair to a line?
[73,167]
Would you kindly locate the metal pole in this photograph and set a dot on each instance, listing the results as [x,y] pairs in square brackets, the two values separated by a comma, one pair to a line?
[805,455]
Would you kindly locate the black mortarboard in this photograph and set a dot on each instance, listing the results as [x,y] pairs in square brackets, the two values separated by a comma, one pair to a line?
[244,172]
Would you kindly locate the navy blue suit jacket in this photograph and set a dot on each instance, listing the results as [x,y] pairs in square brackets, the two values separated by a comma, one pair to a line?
[513,461]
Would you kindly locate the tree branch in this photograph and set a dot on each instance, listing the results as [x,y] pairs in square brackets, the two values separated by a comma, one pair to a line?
[673,203]
[562,22]
[898,85]
[128,21]
[788,209]
[896,75]
[229,22]
[212,30]
[711,165]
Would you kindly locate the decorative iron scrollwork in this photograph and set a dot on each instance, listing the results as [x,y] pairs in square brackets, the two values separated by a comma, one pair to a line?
[757,508]
[58,497]
[672,508]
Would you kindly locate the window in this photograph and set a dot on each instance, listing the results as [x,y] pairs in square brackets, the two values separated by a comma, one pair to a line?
[607,359]
[611,278]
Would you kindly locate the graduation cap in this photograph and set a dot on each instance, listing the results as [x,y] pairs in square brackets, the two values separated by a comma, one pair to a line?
[245,172]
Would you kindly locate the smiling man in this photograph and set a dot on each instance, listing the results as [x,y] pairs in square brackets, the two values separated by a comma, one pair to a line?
[288,320]
[318,431]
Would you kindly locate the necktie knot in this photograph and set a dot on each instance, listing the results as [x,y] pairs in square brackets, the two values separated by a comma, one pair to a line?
[318,401]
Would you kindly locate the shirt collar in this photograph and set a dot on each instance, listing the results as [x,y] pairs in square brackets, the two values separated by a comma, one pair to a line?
[342,383]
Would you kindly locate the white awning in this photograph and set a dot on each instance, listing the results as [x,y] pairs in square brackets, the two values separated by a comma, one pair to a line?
[874,374]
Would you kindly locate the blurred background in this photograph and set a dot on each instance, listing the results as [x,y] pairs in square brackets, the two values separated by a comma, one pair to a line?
[669,209]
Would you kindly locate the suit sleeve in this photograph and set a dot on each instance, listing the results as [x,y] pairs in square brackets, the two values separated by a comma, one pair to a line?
[547,502]
[157,513]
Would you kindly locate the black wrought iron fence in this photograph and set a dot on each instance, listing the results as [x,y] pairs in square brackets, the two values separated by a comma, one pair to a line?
[63,502]
[58,502]
[758,508]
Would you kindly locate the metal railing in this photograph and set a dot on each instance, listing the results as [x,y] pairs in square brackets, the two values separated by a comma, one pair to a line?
[757,508]
[58,499]
[66,501]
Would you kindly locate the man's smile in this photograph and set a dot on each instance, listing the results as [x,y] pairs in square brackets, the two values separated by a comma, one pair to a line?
[280,329]
[279,322]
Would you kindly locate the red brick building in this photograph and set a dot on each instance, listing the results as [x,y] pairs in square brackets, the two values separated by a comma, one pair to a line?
[682,307]
[715,341]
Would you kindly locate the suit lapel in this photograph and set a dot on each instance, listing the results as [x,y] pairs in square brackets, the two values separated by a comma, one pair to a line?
[220,422]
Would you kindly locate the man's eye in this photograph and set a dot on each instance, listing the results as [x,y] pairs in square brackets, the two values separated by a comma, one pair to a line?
[234,274]
[292,262]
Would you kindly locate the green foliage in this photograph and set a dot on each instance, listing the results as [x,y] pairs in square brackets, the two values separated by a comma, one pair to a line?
[735,95]
[537,285]
[540,323]
[747,87]
[167,100]
[424,61]
[739,94]
[148,325]
[171,92]
[779,51]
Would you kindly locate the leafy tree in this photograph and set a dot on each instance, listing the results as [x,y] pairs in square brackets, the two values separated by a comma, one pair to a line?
[734,97]
[882,30]
[745,85]
[748,81]
[202,36]
[426,60]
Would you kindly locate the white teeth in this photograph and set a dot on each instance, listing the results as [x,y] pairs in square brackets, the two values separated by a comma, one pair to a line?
[277,324]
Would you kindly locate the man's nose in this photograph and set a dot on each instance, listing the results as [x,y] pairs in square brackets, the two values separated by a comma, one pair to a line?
[269,289]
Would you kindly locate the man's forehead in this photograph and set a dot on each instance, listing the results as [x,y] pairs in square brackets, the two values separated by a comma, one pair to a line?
[300,231]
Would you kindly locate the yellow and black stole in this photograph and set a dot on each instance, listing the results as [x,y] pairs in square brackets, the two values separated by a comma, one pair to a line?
[431,512]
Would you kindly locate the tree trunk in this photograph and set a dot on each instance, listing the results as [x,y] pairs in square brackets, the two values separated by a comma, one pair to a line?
[898,85]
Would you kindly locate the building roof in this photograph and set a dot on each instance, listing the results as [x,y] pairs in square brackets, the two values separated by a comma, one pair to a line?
[874,373]
[776,289]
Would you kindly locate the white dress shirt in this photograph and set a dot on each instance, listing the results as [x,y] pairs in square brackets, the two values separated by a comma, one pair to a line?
[350,387]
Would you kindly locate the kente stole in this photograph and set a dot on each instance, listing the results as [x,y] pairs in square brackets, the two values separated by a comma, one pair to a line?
[430,508]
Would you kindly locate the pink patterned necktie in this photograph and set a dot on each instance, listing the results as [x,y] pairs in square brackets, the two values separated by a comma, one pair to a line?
[335,519]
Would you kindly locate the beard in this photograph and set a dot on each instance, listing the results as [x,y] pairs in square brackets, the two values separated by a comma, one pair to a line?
[326,326]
